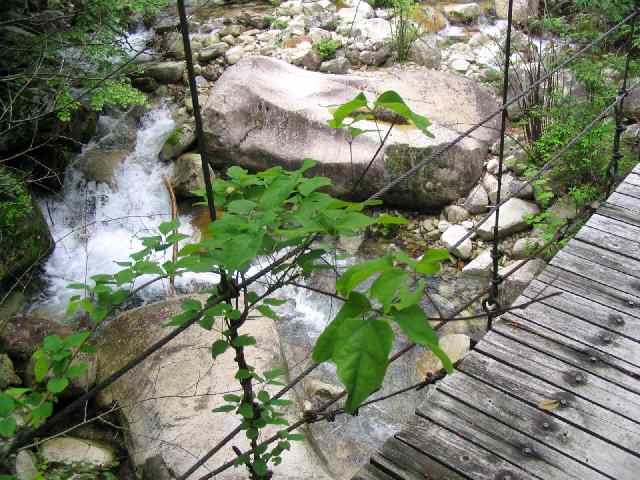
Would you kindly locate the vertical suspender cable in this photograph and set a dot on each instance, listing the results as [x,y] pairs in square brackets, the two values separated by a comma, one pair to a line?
[184,28]
[491,304]
[612,169]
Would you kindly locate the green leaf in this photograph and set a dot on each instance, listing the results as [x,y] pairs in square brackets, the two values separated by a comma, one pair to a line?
[77,339]
[268,312]
[77,286]
[219,347]
[224,408]
[191,304]
[241,207]
[393,101]
[77,370]
[357,274]
[430,262]
[309,185]
[386,286]
[232,398]
[260,467]
[295,437]
[41,413]
[246,410]
[144,266]
[355,307]
[353,222]
[8,427]
[166,227]
[244,341]
[361,357]
[386,219]
[263,396]
[413,322]
[274,373]
[41,368]
[346,109]
[276,302]
[124,276]
[57,385]
[7,404]
[52,343]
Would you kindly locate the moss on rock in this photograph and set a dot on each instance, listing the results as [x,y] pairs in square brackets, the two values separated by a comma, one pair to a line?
[24,234]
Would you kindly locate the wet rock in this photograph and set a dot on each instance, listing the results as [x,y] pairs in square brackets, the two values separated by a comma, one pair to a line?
[424,51]
[21,335]
[513,218]
[101,165]
[165,72]
[479,266]
[456,214]
[515,284]
[451,236]
[178,142]
[71,450]
[477,201]
[455,346]
[26,465]
[337,66]
[252,119]
[176,428]
[145,84]
[8,375]
[464,13]
[187,175]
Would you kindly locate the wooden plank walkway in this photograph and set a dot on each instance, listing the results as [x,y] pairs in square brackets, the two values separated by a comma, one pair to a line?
[553,391]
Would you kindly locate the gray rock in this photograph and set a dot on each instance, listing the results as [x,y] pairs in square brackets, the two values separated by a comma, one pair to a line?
[443,226]
[337,66]
[493,166]
[522,9]
[455,346]
[515,284]
[631,107]
[456,214]
[165,72]
[464,13]
[479,266]
[71,450]
[425,51]
[377,30]
[100,165]
[513,218]
[521,189]
[523,247]
[26,465]
[362,12]
[451,236]
[459,64]
[234,54]
[8,375]
[477,201]
[212,52]
[308,58]
[252,119]
[178,142]
[375,57]
[187,175]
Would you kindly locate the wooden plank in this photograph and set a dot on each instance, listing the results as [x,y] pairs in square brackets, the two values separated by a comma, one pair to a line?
[588,288]
[586,309]
[609,242]
[591,335]
[413,463]
[633,179]
[629,189]
[619,213]
[624,201]
[577,381]
[580,412]
[569,351]
[371,472]
[614,279]
[394,470]
[615,227]
[506,442]
[604,257]
[545,426]
[458,453]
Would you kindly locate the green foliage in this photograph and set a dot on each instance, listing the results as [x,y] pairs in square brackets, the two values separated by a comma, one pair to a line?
[15,202]
[404,31]
[327,48]
[279,24]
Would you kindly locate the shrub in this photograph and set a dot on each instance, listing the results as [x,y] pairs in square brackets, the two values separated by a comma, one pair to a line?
[404,31]
[279,24]
[327,48]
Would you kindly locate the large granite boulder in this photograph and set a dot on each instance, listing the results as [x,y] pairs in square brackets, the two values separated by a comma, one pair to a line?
[168,400]
[265,112]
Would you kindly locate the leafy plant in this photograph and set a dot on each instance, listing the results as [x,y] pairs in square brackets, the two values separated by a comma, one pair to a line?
[279,24]
[327,48]
[404,31]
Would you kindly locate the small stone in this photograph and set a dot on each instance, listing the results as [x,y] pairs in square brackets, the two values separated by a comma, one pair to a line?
[178,142]
[26,465]
[214,51]
[477,201]
[456,214]
[513,218]
[479,266]
[493,164]
[464,13]
[350,243]
[452,236]
[443,226]
[523,247]
[424,51]
[187,175]
[459,65]
[337,66]
[456,346]
[234,54]
[317,388]
[165,72]
[71,450]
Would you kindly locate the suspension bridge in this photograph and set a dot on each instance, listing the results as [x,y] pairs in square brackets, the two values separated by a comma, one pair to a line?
[552,391]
